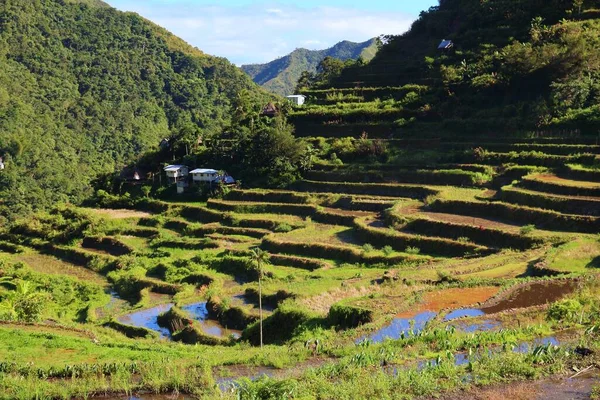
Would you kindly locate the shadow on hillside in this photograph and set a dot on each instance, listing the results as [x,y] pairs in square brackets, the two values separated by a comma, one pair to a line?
[535,269]
[595,263]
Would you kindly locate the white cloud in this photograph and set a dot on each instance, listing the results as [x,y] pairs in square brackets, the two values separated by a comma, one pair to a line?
[260,33]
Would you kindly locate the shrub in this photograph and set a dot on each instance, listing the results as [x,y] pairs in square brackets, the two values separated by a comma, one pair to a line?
[412,250]
[283,228]
[565,310]
[527,229]
[387,250]
[345,317]
[368,248]
[445,277]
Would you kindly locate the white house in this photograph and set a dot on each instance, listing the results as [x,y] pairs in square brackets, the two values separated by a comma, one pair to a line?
[176,172]
[204,175]
[1,163]
[297,99]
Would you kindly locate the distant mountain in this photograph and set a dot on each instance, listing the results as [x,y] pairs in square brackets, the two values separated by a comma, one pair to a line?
[280,76]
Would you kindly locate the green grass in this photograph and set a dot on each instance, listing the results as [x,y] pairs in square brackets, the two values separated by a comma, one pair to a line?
[579,256]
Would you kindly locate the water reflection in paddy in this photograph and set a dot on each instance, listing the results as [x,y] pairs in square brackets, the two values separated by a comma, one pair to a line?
[529,295]
[198,311]
[148,319]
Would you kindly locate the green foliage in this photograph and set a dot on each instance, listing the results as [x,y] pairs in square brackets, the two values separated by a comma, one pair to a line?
[539,58]
[565,311]
[27,296]
[344,316]
[368,248]
[72,108]
[527,229]
[388,250]
[412,250]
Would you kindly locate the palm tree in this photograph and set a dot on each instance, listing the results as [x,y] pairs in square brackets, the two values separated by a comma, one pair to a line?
[260,257]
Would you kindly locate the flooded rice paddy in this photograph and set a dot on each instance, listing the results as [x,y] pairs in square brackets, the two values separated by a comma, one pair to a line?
[528,295]
[149,319]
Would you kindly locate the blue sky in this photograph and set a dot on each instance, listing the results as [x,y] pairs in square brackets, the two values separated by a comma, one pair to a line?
[246,31]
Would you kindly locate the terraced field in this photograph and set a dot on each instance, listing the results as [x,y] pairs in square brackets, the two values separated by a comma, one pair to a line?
[420,261]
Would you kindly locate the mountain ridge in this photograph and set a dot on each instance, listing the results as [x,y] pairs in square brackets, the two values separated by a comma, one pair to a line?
[280,76]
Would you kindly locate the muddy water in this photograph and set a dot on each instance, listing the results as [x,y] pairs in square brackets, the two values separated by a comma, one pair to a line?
[533,294]
[579,388]
[229,383]
[148,319]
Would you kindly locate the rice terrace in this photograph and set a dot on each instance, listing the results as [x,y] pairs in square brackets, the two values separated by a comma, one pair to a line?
[425,225]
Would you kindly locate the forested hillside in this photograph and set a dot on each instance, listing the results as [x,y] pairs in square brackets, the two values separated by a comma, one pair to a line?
[519,65]
[84,89]
[280,76]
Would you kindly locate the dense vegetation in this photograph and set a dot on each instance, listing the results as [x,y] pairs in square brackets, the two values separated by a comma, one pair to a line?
[280,76]
[524,65]
[369,262]
[85,90]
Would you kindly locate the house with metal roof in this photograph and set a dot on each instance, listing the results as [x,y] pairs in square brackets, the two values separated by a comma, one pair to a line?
[176,172]
[204,175]
[446,45]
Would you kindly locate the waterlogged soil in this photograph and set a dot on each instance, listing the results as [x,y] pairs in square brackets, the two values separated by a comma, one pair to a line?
[559,388]
[531,295]
[439,300]
[226,376]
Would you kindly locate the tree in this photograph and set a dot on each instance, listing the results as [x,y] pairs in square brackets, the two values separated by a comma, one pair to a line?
[329,69]
[306,80]
[260,258]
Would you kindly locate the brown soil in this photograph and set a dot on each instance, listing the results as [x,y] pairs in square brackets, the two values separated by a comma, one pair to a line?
[451,298]
[460,219]
[533,294]
[560,196]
